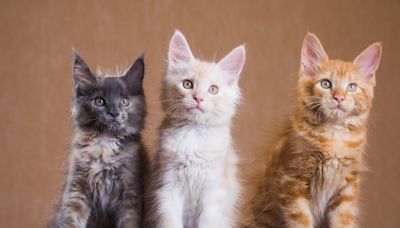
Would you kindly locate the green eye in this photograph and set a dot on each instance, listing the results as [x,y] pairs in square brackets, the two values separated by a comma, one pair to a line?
[213,89]
[99,101]
[352,87]
[187,84]
[124,102]
[326,84]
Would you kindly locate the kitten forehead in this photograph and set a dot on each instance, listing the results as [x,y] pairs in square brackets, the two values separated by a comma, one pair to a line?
[340,69]
[206,70]
[199,70]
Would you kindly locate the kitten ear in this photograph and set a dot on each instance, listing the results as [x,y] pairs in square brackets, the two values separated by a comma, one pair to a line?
[312,54]
[135,74]
[179,50]
[233,62]
[83,77]
[368,61]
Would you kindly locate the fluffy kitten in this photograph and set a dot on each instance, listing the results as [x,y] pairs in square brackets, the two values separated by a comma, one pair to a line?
[194,183]
[104,182]
[313,177]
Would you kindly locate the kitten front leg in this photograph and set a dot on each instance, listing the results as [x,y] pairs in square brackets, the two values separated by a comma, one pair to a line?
[170,210]
[129,214]
[74,211]
[343,211]
[218,209]
[213,216]
[297,214]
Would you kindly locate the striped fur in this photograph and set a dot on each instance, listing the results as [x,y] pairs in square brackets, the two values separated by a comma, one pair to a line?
[313,176]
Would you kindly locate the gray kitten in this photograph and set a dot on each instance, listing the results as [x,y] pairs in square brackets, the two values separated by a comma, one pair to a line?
[104,185]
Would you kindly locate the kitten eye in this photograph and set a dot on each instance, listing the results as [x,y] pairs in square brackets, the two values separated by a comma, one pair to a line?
[213,89]
[187,84]
[352,87]
[326,84]
[99,101]
[124,102]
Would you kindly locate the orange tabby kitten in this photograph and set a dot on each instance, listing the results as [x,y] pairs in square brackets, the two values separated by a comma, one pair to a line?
[312,179]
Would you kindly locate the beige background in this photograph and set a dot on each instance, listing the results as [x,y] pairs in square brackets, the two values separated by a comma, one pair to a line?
[36,38]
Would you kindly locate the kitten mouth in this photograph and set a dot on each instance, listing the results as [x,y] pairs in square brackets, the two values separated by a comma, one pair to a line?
[337,107]
[196,108]
[338,111]
[114,125]
[340,107]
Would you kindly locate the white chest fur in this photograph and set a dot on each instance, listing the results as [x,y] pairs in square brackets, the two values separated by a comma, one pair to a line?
[201,173]
[328,180]
[197,143]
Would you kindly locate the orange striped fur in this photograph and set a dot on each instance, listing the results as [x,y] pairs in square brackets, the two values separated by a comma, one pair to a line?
[312,178]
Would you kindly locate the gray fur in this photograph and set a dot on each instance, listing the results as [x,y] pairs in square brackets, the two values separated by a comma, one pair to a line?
[104,184]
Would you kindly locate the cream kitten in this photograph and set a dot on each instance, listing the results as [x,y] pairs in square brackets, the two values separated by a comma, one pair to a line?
[194,181]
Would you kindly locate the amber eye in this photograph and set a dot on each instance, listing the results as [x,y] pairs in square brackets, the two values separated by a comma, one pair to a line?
[124,102]
[352,87]
[99,101]
[213,89]
[187,84]
[326,84]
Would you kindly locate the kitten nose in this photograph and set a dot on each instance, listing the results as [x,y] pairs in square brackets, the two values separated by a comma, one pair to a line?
[338,98]
[113,112]
[198,99]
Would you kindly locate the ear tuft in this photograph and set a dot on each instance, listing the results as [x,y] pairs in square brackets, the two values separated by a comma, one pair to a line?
[368,61]
[233,62]
[82,75]
[179,50]
[312,54]
[141,57]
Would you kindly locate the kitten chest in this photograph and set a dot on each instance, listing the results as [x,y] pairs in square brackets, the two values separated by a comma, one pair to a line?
[329,178]
[196,154]
[103,171]
[196,161]
[196,144]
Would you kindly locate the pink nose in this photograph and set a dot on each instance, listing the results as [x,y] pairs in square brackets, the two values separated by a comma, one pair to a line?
[198,99]
[338,98]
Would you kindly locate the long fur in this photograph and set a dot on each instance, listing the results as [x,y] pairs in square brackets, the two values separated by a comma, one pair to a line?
[194,181]
[104,183]
[312,178]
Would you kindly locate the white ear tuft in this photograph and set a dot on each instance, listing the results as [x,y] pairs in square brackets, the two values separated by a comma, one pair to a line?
[179,50]
[368,61]
[233,62]
[312,54]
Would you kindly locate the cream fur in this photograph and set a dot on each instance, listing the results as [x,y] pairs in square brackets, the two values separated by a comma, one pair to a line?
[196,164]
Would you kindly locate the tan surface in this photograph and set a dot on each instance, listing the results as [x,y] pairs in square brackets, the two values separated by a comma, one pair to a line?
[36,83]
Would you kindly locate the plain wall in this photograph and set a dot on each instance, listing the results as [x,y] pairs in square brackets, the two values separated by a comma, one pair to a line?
[36,84]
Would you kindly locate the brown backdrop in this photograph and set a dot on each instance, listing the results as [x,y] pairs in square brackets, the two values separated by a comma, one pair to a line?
[36,84]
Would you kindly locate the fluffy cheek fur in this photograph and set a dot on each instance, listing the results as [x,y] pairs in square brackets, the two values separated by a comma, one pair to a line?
[86,117]
[362,100]
[131,118]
